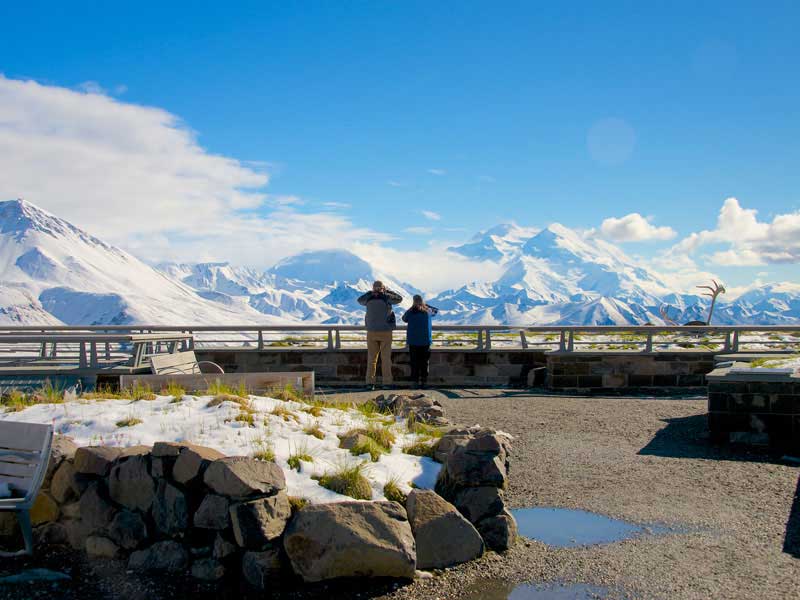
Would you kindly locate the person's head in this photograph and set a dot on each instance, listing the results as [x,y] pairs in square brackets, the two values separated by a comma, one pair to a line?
[377,287]
[419,302]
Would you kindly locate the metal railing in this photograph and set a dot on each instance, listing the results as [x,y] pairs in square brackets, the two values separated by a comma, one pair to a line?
[740,338]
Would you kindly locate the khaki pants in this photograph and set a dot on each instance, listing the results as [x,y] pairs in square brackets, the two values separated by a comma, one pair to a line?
[379,343]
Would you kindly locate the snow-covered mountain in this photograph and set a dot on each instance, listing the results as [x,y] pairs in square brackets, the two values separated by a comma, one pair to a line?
[52,272]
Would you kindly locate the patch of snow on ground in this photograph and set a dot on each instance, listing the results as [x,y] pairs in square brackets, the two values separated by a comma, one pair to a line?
[94,422]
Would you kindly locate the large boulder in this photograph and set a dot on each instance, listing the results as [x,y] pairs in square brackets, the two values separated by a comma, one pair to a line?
[95,460]
[127,529]
[62,484]
[208,569]
[240,477]
[44,509]
[477,503]
[95,510]
[170,509]
[166,556]
[101,547]
[212,513]
[130,484]
[351,539]
[50,534]
[260,569]
[223,548]
[63,448]
[465,468]
[257,522]
[191,461]
[499,532]
[444,538]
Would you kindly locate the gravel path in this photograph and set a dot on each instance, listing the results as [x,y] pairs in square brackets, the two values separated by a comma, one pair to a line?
[643,460]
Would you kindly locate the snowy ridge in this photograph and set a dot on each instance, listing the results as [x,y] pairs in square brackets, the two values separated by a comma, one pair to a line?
[52,272]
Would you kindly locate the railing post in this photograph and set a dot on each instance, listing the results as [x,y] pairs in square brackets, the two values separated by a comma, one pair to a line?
[648,347]
[43,350]
[480,339]
[260,339]
[488,343]
[562,342]
[727,345]
[571,342]
[338,342]
[735,344]
[53,350]
[330,339]
[108,351]
[82,355]
[93,354]
[523,339]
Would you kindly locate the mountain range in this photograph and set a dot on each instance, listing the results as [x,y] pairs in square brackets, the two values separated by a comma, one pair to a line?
[52,272]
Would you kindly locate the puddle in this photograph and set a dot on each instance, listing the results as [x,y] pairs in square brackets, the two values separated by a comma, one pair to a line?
[493,589]
[567,528]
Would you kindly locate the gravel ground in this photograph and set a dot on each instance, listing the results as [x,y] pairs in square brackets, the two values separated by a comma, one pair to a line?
[643,460]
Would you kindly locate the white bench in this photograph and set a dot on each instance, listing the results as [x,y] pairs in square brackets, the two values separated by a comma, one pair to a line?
[24,454]
[180,363]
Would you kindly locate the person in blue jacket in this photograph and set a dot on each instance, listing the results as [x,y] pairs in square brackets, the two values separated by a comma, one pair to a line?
[419,337]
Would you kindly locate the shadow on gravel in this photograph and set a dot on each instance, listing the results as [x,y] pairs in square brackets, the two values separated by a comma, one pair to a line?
[687,437]
[791,541]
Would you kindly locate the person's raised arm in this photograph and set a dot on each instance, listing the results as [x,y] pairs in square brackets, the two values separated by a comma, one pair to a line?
[393,297]
[364,298]
[405,315]
[434,311]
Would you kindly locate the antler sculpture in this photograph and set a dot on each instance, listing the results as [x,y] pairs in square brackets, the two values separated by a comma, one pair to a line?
[713,292]
[663,310]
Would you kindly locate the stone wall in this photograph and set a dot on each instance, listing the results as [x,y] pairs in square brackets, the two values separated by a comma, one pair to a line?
[659,373]
[754,410]
[348,366]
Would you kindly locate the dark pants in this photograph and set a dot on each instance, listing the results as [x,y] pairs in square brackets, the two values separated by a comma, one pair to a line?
[420,355]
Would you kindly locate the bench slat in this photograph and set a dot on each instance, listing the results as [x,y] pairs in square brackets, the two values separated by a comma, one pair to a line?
[17,470]
[179,363]
[23,436]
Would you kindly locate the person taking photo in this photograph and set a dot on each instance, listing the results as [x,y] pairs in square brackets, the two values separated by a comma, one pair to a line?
[380,322]
[419,336]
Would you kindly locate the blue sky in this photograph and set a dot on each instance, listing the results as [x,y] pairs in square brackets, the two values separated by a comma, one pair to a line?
[482,112]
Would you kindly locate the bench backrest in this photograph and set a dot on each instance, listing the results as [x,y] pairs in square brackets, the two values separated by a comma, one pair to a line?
[177,363]
[24,454]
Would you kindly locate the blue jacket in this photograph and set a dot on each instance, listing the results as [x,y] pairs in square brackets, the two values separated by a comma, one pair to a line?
[419,331]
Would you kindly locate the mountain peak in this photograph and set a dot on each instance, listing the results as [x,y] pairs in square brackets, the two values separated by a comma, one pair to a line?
[319,266]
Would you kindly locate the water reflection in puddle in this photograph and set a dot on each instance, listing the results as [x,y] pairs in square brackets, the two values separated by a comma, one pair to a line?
[566,528]
[493,589]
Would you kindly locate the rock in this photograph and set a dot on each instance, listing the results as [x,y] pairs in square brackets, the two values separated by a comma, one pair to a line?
[50,534]
[499,532]
[134,451]
[447,444]
[96,512]
[63,448]
[352,440]
[212,513]
[77,532]
[477,503]
[71,510]
[159,468]
[130,484]
[345,539]
[257,522]
[127,529]
[223,548]
[44,509]
[465,468]
[167,449]
[170,509]
[208,569]
[240,477]
[101,547]
[95,460]
[444,538]
[62,484]
[165,556]
[191,461]
[260,569]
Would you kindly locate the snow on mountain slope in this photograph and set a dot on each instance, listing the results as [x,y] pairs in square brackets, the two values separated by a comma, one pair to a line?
[498,244]
[50,267]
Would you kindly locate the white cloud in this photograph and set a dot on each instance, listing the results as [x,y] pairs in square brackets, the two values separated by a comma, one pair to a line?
[336,205]
[430,215]
[438,172]
[746,240]
[137,176]
[634,228]
[93,87]
[419,230]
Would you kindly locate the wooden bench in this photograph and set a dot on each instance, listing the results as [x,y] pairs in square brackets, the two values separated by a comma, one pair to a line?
[24,454]
[181,363]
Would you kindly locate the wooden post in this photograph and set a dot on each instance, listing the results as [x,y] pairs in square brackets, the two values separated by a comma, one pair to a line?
[523,339]
[82,355]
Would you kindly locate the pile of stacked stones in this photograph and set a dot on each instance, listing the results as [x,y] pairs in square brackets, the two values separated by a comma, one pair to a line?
[178,507]
[418,407]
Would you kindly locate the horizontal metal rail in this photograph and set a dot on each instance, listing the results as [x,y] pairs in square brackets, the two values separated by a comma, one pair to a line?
[562,338]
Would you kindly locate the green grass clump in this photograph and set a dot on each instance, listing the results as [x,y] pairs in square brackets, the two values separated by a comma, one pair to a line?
[314,410]
[220,398]
[287,393]
[140,392]
[218,388]
[315,430]
[421,448]
[381,434]
[175,390]
[49,394]
[423,429]
[14,400]
[392,491]
[246,417]
[296,503]
[106,392]
[129,422]
[300,453]
[348,481]
[368,446]
[284,413]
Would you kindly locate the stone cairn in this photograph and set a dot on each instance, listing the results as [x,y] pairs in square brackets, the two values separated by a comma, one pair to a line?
[179,507]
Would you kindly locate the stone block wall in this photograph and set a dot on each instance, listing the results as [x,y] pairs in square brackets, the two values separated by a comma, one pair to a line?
[659,373]
[755,412]
[349,366]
